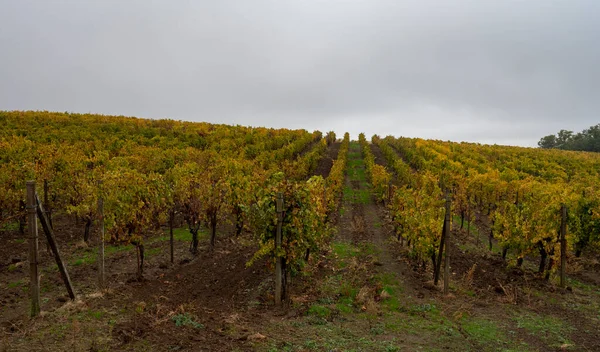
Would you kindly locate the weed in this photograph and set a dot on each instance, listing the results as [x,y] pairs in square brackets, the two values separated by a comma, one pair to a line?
[11,226]
[391,302]
[12,267]
[469,276]
[344,250]
[325,300]
[311,344]
[186,320]
[319,311]
[314,320]
[348,290]
[387,279]
[15,284]
[345,305]
[417,309]
[377,330]
[96,314]
[391,348]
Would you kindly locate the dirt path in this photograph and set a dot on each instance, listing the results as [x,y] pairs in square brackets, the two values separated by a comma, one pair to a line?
[366,224]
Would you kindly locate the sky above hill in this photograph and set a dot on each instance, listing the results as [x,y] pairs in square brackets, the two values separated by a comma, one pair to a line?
[505,72]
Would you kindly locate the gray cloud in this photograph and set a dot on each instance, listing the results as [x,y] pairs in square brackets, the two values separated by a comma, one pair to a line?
[504,72]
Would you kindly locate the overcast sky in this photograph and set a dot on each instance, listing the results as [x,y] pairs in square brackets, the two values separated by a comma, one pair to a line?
[502,71]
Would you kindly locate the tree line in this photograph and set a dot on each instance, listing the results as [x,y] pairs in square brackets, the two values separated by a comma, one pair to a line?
[587,140]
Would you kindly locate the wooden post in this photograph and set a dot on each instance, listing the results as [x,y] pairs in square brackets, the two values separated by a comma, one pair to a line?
[447,241]
[438,263]
[47,204]
[50,237]
[278,260]
[171,240]
[469,222]
[48,249]
[101,274]
[445,230]
[563,244]
[34,277]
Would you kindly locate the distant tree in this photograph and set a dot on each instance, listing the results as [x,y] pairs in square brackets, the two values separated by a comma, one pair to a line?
[563,138]
[586,140]
[548,142]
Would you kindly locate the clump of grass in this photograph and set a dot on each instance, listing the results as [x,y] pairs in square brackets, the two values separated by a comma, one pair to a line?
[345,305]
[11,226]
[96,314]
[186,320]
[319,311]
[15,284]
[344,250]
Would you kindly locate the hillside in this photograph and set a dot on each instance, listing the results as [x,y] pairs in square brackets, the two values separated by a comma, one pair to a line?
[390,244]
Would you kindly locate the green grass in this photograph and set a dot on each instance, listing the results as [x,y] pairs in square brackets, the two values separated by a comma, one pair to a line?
[583,286]
[152,252]
[356,172]
[552,330]
[468,225]
[348,290]
[90,255]
[344,250]
[357,196]
[390,285]
[319,311]
[388,279]
[11,226]
[12,267]
[95,314]
[367,248]
[484,332]
[345,305]
[186,320]
[181,234]
[14,284]
[393,302]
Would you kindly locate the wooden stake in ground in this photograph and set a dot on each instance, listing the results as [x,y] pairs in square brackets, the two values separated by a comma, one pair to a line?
[171,240]
[50,236]
[438,263]
[278,259]
[563,244]
[447,241]
[47,204]
[34,277]
[443,243]
[101,282]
